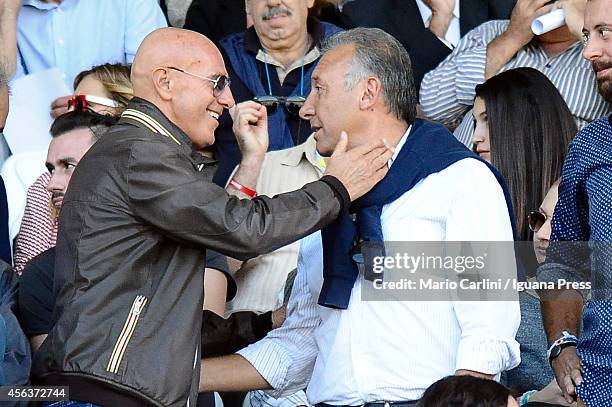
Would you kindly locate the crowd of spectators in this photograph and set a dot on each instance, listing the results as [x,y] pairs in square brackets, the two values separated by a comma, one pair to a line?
[222,175]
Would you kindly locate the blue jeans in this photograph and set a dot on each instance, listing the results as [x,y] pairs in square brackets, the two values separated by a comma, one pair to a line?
[70,403]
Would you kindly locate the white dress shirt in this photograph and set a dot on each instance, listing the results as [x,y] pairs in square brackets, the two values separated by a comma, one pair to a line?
[388,350]
[453,33]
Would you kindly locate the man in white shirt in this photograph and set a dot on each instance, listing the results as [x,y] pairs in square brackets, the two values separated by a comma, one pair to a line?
[347,351]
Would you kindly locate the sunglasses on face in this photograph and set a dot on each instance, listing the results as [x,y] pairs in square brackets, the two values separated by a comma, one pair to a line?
[536,220]
[219,83]
[292,104]
[84,102]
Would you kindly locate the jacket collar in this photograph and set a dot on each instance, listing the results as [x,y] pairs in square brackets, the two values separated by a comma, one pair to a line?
[146,114]
[143,113]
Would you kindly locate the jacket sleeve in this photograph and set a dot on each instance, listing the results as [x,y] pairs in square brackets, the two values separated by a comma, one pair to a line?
[165,190]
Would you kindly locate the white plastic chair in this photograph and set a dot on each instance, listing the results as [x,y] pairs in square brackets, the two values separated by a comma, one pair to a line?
[20,171]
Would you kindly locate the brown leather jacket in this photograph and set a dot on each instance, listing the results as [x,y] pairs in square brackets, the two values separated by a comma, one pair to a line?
[134,227]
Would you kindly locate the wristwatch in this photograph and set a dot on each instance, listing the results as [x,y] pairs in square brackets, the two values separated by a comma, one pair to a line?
[565,341]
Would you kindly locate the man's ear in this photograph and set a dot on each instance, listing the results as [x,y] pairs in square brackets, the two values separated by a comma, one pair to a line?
[162,83]
[371,92]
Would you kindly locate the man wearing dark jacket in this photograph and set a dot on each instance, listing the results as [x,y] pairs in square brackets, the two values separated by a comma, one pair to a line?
[139,214]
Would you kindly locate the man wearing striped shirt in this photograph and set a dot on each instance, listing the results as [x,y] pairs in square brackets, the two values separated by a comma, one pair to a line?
[447,92]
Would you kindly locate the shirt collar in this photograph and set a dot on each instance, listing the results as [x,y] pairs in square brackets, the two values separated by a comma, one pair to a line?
[305,151]
[426,11]
[535,46]
[308,58]
[159,124]
[399,146]
[313,26]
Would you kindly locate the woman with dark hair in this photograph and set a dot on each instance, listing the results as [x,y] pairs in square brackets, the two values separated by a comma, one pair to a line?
[466,391]
[523,127]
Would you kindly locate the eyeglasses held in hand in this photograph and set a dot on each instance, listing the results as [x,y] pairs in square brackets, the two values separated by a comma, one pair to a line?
[83,102]
[292,104]
[536,220]
[219,83]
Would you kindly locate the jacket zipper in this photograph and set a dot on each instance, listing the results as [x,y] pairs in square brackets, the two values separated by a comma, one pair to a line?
[126,334]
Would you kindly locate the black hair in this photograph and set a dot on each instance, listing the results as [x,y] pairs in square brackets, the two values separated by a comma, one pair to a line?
[465,391]
[77,119]
[530,128]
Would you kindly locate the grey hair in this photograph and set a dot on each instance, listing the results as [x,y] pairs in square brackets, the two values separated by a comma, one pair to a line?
[381,55]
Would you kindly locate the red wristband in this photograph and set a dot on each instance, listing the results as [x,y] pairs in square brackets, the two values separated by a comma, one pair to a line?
[245,190]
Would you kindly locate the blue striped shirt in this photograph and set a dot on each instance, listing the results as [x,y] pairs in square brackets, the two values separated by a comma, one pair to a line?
[447,92]
[583,216]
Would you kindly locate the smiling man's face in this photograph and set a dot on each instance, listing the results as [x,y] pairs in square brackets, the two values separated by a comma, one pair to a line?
[597,33]
[196,105]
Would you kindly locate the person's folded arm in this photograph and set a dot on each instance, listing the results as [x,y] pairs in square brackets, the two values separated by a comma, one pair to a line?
[282,361]
[569,255]
[448,90]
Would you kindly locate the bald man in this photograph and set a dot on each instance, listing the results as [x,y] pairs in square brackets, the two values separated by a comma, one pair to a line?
[139,215]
